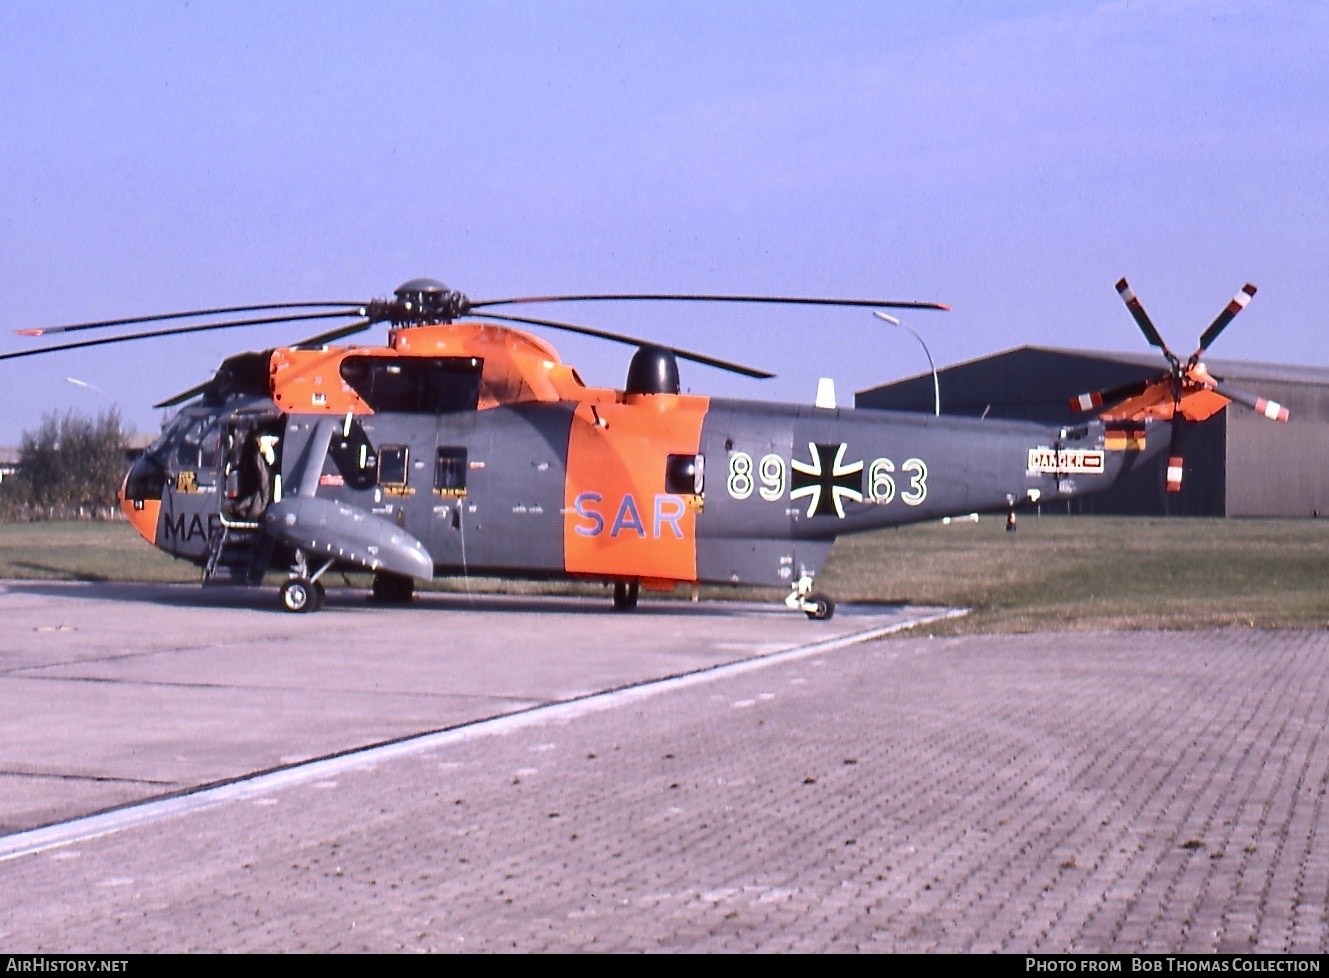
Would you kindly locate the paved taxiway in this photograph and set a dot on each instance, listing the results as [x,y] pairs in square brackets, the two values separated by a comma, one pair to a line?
[1066,792]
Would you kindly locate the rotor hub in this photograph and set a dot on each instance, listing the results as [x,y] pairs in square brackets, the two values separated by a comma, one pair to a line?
[424,301]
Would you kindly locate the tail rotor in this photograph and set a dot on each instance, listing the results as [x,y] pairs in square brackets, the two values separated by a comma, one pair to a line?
[1185,393]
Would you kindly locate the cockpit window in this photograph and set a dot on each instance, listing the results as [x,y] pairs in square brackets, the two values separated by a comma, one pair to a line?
[170,435]
[194,439]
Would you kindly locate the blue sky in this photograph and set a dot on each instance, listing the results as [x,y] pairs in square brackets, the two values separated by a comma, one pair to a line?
[1011,159]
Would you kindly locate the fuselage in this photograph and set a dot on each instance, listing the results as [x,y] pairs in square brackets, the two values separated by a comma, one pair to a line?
[470,448]
[655,487]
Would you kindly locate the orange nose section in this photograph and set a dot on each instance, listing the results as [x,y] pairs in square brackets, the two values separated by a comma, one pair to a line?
[141,513]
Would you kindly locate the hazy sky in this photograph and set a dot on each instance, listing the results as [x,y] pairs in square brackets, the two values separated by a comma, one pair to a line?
[1012,159]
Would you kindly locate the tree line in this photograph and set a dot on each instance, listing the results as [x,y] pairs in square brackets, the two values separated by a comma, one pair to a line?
[69,468]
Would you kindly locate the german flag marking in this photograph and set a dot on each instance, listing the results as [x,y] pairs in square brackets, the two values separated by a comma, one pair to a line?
[1124,441]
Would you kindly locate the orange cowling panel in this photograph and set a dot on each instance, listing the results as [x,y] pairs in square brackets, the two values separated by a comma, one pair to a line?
[310,382]
[1203,404]
[619,521]
[1156,404]
[142,516]
[517,367]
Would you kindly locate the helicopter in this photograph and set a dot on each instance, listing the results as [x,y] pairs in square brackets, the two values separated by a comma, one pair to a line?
[465,446]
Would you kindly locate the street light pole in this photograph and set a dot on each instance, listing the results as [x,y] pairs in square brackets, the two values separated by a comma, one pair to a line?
[936,385]
[92,387]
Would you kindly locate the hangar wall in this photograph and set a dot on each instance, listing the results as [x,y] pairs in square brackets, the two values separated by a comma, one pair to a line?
[1277,469]
[1237,464]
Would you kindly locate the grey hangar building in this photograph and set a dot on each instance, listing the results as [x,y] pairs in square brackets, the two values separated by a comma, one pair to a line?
[1237,464]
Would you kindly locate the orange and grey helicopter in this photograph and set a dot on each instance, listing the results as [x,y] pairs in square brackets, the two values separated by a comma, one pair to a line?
[465,446]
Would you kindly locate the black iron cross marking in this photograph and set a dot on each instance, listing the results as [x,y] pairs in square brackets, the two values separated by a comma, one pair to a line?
[824,482]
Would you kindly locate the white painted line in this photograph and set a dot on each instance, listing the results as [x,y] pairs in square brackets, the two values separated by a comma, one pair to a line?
[92,826]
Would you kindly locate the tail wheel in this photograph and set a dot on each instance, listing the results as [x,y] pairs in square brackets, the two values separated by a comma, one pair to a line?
[625,594]
[300,595]
[819,607]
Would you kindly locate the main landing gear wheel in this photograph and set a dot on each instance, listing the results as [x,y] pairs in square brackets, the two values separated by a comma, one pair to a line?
[393,588]
[301,595]
[625,595]
[818,606]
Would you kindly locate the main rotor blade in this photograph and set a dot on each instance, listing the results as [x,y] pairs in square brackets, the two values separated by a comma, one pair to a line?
[1270,409]
[1112,396]
[174,331]
[1142,319]
[683,297]
[323,339]
[193,314]
[183,396]
[702,358]
[1238,303]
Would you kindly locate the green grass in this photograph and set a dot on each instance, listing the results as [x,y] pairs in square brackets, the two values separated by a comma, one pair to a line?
[1066,573]
[1055,573]
[85,551]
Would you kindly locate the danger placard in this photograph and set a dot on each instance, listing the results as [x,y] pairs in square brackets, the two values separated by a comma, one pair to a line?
[1066,461]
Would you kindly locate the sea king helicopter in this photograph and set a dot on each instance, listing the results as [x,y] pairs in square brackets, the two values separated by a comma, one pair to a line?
[464,446]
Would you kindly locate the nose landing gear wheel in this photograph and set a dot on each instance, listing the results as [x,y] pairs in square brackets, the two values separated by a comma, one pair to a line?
[300,595]
[819,607]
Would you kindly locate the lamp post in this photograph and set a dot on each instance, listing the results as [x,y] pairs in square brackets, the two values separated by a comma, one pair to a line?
[92,387]
[936,385]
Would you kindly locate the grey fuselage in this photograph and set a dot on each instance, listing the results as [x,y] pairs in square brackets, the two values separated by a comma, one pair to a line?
[725,491]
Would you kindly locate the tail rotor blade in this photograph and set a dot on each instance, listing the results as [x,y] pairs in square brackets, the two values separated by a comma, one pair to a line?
[1261,405]
[1175,466]
[1110,397]
[1142,319]
[1238,303]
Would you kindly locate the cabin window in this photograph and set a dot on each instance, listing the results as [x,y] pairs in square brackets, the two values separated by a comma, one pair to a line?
[450,471]
[354,457]
[393,463]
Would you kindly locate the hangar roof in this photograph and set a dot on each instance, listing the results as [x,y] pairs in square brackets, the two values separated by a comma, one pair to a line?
[1152,361]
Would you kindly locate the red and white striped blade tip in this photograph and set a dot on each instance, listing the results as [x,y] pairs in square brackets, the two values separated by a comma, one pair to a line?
[1174,473]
